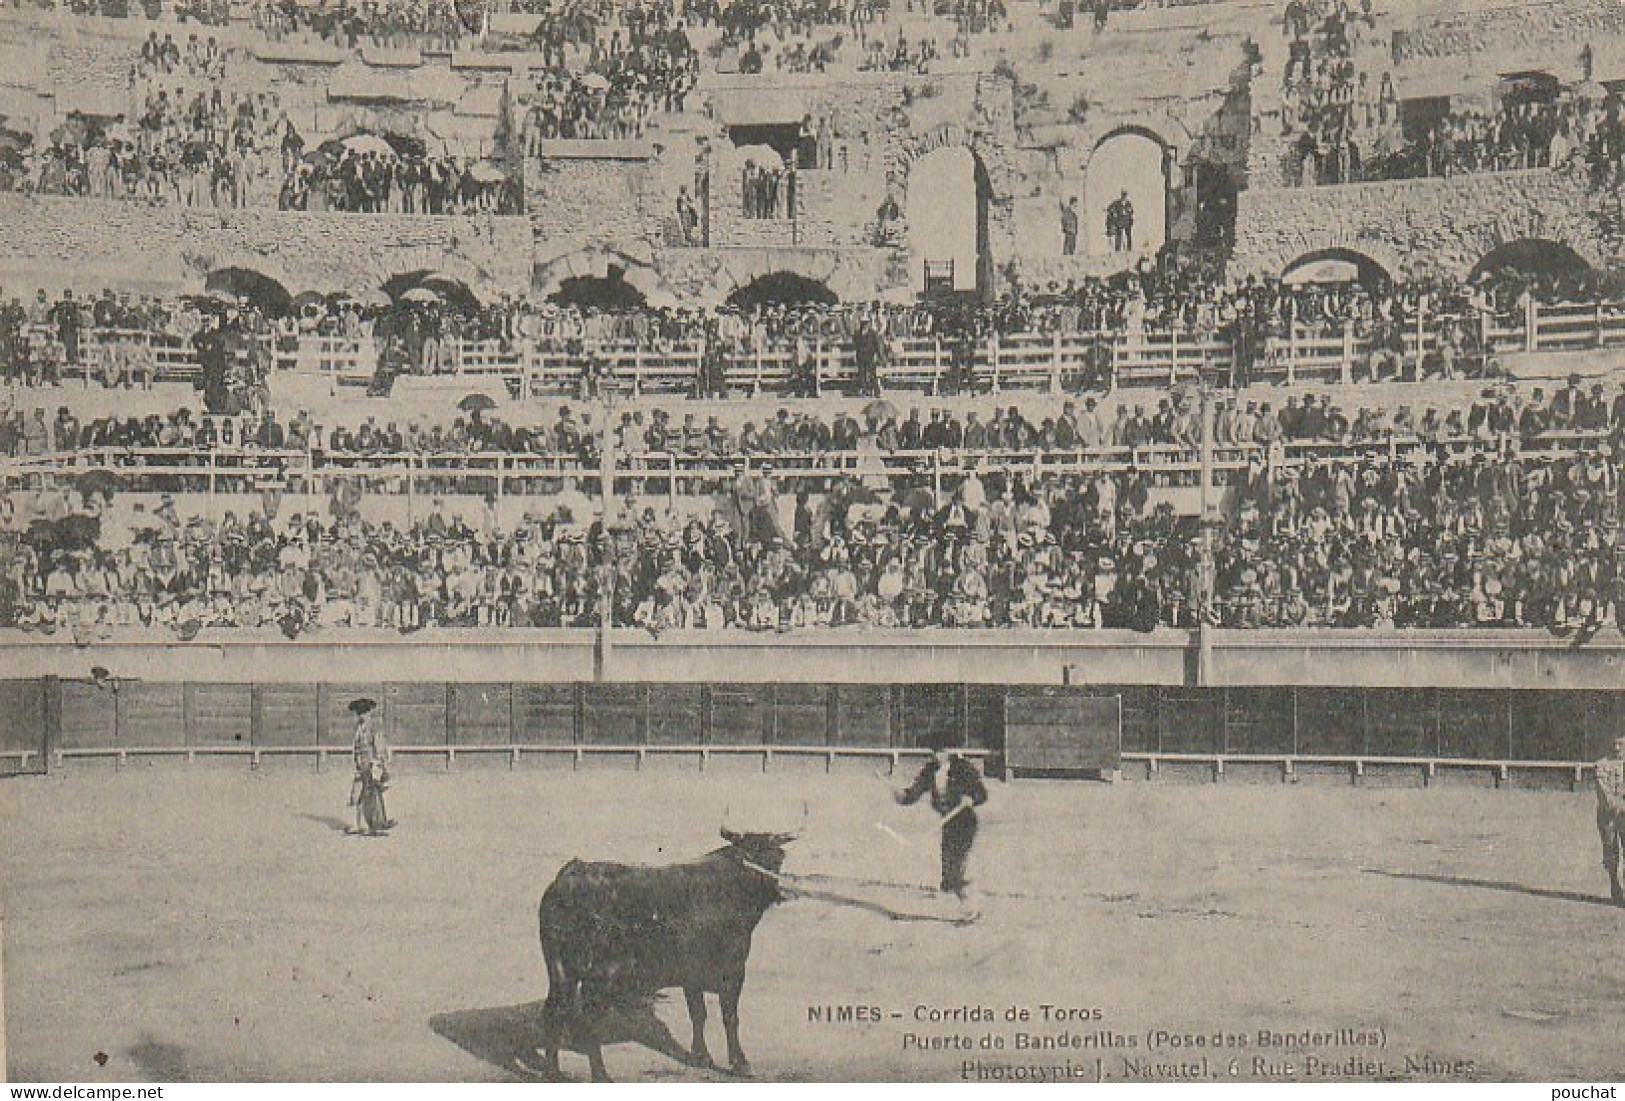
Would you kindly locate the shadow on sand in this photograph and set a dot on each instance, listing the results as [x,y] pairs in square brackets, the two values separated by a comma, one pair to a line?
[161,1062]
[337,825]
[510,1037]
[1495,885]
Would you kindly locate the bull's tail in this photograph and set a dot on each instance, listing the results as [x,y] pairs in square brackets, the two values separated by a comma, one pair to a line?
[558,1011]
[546,931]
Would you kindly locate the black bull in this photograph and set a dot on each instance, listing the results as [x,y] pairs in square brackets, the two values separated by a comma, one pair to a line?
[614,932]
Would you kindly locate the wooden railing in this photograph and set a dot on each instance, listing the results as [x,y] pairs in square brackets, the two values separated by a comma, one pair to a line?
[1053,361]
[235,468]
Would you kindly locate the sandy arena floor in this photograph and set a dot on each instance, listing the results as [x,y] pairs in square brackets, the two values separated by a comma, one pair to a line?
[213,924]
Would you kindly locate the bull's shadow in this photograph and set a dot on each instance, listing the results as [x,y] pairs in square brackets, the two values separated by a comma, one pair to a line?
[1496,885]
[509,1036]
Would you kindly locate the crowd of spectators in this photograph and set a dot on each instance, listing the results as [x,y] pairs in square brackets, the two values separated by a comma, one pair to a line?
[1472,541]
[190,143]
[379,179]
[608,70]
[1347,127]
[416,334]
[1518,135]
[1477,542]
[768,190]
[1328,104]
[201,57]
[1501,418]
[899,55]
[383,24]
[615,95]
[114,339]
[214,13]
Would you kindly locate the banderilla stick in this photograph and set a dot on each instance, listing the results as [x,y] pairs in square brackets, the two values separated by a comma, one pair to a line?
[893,834]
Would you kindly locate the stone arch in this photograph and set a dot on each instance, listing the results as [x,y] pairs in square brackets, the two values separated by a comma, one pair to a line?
[599,262]
[1164,129]
[200,266]
[401,124]
[783,286]
[1142,163]
[990,178]
[424,262]
[1369,270]
[1534,255]
[454,290]
[1560,228]
[745,268]
[1130,129]
[962,233]
[1294,246]
[989,154]
[267,292]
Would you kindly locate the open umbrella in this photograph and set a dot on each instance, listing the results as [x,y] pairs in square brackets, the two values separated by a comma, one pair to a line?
[308,300]
[367,296]
[369,143]
[477,403]
[363,706]
[487,172]
[105,482]
[405,145]
[420,294]
[879,410]
[920,499]
[597,81]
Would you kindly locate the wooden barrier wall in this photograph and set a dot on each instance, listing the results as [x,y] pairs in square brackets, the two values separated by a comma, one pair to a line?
[70,719]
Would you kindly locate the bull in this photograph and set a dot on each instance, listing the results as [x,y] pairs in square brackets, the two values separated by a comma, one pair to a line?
[614,932]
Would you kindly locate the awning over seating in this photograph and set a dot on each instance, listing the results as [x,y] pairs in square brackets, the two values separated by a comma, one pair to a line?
[482,101]
[359,82]
[23,65]
[461,135]
[92,100]
[19,108]
[1607,60]
[300,53]
[514,23]
[391,59]
[763,106]
[426,84]
[504,62]
[591,149]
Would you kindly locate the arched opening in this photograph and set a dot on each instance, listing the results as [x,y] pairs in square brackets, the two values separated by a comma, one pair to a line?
[782,288]
[259,290]
[946,209]
[451,291]
[1533,258]
[1126,211]
[1334,266]
[1518,89]
[1215,192]
[360,143]
[610,292]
